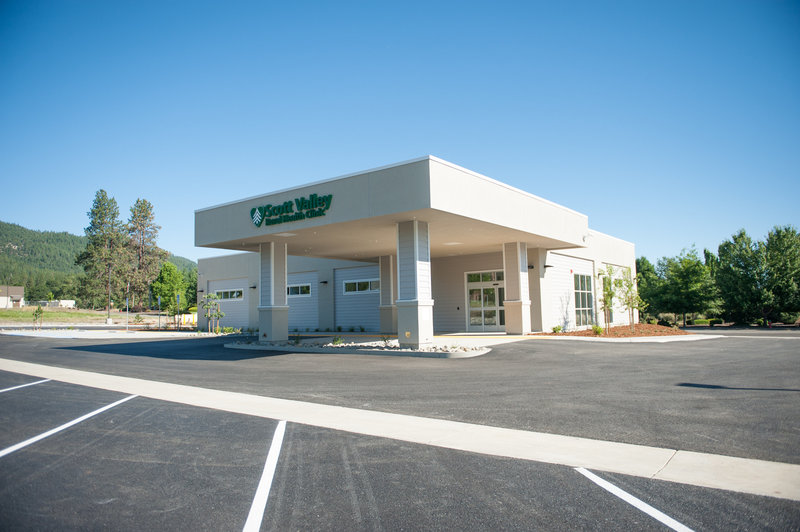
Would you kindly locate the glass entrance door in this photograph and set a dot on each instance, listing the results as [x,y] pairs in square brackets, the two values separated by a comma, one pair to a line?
[485,296]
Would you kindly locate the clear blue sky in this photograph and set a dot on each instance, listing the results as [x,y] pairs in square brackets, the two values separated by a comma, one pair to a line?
[667,123]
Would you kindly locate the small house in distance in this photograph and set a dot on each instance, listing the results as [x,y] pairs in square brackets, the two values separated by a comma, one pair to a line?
[12,296]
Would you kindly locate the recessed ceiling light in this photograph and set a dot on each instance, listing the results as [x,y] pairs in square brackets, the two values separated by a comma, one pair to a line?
[285,234]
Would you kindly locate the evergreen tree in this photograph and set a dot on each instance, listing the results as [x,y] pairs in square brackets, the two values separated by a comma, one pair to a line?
[741,277]
[104,259]
[145,256]
[782,263]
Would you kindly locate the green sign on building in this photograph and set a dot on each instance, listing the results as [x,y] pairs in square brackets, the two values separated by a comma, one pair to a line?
[291,211]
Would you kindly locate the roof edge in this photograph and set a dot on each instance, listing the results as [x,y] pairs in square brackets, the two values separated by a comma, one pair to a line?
[320,182]
[505,185]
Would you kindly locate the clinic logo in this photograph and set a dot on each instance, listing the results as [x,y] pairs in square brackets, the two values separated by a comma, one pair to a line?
[257,215]
[301,208]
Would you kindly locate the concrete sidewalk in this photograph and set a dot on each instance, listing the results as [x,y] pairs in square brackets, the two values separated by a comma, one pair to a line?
[744,475]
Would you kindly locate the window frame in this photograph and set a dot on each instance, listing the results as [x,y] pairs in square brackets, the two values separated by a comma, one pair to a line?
[225,295]
[299,293]
[583,289]
[358,283]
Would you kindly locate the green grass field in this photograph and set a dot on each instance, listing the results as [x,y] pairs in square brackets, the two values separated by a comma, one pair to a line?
[25,315]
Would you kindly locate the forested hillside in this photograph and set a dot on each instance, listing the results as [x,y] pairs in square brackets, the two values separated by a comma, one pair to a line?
[182,263]
[40,249]
[44,261]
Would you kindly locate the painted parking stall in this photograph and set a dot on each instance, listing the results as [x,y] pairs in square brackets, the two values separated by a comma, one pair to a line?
[136,463]
[156,464]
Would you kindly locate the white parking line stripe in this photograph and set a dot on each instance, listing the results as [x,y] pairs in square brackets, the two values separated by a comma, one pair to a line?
[744,475]
[24,385]
[262,492]
[633,501]
[9,450]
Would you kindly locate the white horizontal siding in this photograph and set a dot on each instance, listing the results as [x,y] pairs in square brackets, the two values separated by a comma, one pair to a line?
[360,309]
[449,289]
[304,310]
[559,294]
[236,311]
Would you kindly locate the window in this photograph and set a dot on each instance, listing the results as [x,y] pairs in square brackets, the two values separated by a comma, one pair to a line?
[485,277]
[298,290]
[583,300]
[230,294]
[362,286]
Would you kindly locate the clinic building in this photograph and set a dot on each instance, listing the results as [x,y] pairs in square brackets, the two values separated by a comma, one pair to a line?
[410,249]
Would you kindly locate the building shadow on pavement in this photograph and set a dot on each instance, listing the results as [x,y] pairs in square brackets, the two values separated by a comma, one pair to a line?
[721,387]
[179,349]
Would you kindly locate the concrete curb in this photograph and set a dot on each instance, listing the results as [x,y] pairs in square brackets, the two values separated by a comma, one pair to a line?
[635,340]
[743,475]
[355,350]
[97,334]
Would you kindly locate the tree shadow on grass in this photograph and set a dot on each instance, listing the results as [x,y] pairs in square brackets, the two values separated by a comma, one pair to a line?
[721,387]
[180,349]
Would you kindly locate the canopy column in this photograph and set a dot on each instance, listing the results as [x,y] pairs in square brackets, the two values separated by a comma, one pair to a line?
[517,299]
[414,302]
[273,309]
[388,282]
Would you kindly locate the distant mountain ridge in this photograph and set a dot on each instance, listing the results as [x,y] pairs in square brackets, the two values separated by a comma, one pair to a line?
[43,250]
[29,249]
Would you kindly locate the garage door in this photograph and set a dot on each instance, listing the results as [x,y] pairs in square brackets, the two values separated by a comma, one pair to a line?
[234,301]
[303,297]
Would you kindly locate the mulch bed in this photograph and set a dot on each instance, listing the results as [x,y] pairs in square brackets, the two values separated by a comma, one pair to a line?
[624,331]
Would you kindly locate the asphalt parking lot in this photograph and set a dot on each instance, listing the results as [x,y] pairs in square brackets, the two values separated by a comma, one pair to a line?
[158,464]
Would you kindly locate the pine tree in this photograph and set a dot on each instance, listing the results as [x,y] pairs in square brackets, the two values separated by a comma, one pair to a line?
[104,259]
[146,257]
[741,277]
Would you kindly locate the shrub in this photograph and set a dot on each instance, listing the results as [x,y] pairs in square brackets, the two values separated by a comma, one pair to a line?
[337,340]
[557,329]
[597,330]
[715,321]
[700,322]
